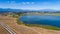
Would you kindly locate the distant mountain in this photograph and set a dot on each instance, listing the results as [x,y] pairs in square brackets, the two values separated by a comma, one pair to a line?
[20,10]
[49,10]
[9,10]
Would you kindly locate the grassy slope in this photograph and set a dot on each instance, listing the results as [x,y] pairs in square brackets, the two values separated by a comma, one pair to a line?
[44,26]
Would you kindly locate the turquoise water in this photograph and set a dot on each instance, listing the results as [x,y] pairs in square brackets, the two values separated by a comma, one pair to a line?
[45,20]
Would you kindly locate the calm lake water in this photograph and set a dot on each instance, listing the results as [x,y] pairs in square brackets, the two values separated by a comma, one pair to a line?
[45,20]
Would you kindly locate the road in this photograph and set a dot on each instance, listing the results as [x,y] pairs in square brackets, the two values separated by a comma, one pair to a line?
[7,28]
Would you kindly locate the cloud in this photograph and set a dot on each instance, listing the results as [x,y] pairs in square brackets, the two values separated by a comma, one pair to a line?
[11,2]
[28,3]
[23,3]
[8,1]
[32,2]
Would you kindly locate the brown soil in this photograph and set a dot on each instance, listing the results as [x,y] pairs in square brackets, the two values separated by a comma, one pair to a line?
[3,31]
[21,29]
[46,31]
[11,22]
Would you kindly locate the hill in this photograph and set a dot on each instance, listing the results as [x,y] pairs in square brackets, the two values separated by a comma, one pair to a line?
[21,10]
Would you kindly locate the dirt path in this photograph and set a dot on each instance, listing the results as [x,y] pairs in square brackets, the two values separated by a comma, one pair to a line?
[3,31]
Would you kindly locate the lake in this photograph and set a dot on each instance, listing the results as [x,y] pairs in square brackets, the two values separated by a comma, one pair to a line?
[44,20]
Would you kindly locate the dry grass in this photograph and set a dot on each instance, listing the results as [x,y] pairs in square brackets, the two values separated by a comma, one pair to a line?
[46,31]
[21,29]
[3,31]
[11,22]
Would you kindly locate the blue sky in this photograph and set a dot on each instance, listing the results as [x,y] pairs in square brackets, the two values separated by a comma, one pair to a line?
[30,4]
